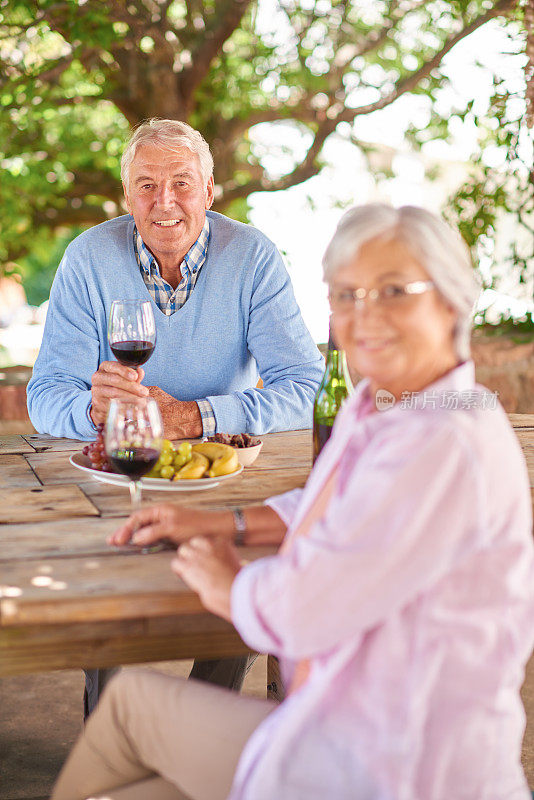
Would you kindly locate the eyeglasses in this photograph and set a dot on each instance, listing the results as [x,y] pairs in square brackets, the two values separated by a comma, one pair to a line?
[391,295]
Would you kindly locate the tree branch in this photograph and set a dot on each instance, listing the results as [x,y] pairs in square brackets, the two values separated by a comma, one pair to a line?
[86,214]
[374,39]
[303,111]
[229,14]
[14,30]
[228,131]
[410,81]
[307,168]
[50,74]
[112,190]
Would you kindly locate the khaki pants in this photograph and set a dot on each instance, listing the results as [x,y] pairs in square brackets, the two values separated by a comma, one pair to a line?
[160,737]
[227,672]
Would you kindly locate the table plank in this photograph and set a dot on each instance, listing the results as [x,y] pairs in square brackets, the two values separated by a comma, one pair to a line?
[279,451]
[54,468]
[526,440]
[79,589]
[43,441]
[105,644]
[522,420]
[285,450]
[44,504]
[68,600]
[529,458]
[84,537]
[249,488]
[525,436]
[14,443]
[16,472]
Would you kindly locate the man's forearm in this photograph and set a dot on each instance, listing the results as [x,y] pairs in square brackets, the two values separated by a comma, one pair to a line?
[181,418]
[187,421]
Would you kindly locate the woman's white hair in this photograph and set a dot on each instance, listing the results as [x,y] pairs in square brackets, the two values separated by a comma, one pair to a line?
[437,247]
[169,134]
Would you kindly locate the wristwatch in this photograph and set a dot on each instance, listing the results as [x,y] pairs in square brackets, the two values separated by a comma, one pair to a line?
[240,527]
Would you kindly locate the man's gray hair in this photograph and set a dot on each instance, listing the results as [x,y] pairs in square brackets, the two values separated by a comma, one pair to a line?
[169,134]
[437,247]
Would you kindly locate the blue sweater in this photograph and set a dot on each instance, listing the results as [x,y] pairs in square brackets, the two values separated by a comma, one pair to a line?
[241,319]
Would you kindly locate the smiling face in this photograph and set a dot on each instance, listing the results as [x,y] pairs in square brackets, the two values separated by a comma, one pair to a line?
[406,345]
[168,198]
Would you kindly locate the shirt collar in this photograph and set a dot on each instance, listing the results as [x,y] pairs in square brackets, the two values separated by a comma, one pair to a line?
[193,259]
[196,255]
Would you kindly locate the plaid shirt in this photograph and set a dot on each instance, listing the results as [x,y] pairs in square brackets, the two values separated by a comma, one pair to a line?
[165,297]
[170,300]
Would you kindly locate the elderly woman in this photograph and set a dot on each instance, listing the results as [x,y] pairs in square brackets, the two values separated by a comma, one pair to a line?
[401,601]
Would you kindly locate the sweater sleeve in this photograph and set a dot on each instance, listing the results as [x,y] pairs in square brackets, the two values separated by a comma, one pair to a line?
[289,363]
[59,395]
[404,515]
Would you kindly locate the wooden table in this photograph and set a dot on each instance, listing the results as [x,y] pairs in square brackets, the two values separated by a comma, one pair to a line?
[68,600]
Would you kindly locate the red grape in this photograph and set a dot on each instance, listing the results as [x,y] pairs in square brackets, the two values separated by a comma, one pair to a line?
[96,452]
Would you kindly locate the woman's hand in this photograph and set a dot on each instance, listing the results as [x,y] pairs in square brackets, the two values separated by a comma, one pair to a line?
[209,567]
[173,523]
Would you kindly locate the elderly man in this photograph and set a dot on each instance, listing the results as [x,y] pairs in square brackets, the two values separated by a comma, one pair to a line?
[223,304]
[224,309]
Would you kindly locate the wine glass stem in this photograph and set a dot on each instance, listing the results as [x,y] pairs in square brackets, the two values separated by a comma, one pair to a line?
[135,494]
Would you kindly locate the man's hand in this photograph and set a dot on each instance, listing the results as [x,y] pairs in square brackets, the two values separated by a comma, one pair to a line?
[209,566]
[114,381]
[181,418]
[173,523]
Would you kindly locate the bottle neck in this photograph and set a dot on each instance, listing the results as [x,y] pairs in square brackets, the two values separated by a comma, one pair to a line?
[334,360]
[331,341]
[336,363]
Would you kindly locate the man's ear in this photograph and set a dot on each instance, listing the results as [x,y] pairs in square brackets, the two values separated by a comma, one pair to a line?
[210,193]
[126,199]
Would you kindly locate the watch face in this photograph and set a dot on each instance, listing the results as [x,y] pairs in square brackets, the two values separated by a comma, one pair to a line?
[240,527]
[239,520]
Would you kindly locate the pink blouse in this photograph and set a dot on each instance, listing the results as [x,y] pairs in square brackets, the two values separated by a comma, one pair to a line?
[413,599]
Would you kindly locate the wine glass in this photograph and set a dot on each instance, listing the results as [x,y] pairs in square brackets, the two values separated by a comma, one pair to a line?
[132,331]
[134,438]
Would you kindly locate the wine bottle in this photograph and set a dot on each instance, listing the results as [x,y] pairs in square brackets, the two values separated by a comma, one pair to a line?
[333,389]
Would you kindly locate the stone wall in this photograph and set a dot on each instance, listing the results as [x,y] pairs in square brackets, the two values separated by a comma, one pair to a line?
[13,382]
[506,367]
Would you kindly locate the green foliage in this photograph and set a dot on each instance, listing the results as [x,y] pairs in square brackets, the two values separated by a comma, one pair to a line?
[518,330]
[39,267]
[492,193]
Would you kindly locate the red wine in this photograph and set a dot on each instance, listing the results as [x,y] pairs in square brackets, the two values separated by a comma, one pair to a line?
[135,461]
[132,353]
[321,434]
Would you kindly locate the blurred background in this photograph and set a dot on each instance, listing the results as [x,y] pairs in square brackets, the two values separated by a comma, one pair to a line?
[309,106]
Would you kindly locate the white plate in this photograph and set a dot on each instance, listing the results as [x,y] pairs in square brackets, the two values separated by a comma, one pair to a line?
[160,484]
